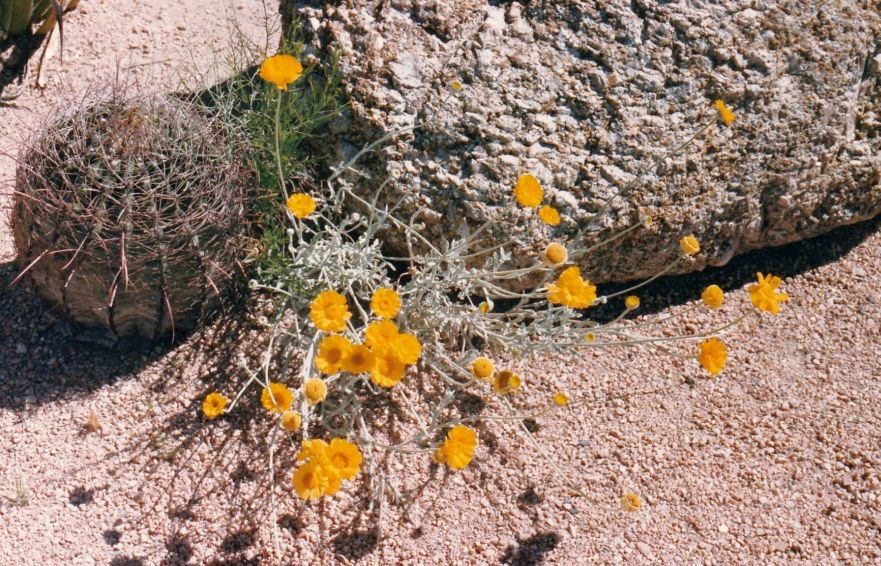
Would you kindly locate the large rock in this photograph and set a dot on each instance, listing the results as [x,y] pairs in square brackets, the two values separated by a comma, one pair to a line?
[587,94]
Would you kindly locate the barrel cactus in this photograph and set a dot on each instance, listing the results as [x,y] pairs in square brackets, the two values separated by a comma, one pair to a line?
[131,216]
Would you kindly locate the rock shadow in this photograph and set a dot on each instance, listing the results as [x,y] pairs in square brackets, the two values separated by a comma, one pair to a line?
[786,261]
[531,551]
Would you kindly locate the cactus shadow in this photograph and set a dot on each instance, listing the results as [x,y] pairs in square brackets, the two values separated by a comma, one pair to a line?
[41,362]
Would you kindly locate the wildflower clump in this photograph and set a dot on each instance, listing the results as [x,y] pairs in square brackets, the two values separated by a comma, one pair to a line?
[352,320]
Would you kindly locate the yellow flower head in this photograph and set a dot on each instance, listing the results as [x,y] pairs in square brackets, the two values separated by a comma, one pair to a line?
[345,458]
[359,359]
[213,405]
[631,302]
[315,390]
[458,448]
[291,421]
[277,398]
[528,191]
[332,350]
[725,113]
[456,85]
[713,355]
[505,382]
[312,449]
[630,502]
[590,337]
[549,215]
[301,205]
[561,399]
[313,480]
[713,296]
[555,254]
[764,295]
[385,303]
[647,221]
[485,307]
[330,312]
[482,368]
[689,245]
[406,348]
[571,290]
[379,335]
[281,70]
[388,370]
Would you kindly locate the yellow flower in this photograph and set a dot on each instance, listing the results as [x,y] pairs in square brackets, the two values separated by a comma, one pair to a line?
[291,421]
[315,390]
[456,85]
[689,245]
[312,449]
[485,307]
[561,399]
[549,215]
[277,398]
[555,254]
[505,381]
[406,348]
[213,405]
[345,457]
[388,370]
[359,359]
[301,205]
[630,502]
[330,312]
[280,70]
[764,296]
[528,191]
[458,448]
[331,352]
[385,303]
[631,302]
[571,290]
[590,337]
[713,355]
[725,113]
[379,335]
[647,221]
[482,368]
[313,479]
[713,296]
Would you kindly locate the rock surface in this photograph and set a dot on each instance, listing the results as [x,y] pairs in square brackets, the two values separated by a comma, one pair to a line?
[585,95]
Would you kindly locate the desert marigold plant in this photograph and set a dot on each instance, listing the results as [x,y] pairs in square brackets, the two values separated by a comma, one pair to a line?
[353,324]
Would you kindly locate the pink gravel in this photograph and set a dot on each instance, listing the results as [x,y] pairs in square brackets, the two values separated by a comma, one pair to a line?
[774,461]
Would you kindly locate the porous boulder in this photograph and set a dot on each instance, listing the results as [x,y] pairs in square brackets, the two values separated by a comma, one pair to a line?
[586,95]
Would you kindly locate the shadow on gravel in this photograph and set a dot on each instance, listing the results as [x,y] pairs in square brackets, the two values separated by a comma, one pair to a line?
[40,362]
[785,261]
[532,550]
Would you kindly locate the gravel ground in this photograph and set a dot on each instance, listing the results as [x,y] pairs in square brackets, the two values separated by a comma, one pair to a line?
[774,461]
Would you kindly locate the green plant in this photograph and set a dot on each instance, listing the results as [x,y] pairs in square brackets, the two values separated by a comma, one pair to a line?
[19,16]
[131,215]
